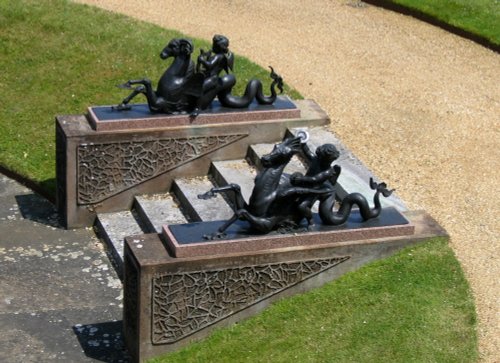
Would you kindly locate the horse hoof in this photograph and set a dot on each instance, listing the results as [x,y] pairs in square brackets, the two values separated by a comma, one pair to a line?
[206,195]
[220,235]
[121,107]
[214,236]
[125,85]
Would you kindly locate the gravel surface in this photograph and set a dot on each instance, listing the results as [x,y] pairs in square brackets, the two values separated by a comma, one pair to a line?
[418,105]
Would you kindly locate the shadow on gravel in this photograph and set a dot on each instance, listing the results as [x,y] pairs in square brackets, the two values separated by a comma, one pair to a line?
[103,341]
[38,209]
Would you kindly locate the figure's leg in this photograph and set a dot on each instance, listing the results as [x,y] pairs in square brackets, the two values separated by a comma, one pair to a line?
[220,88]
[212,86]
[206,99]
[305,211]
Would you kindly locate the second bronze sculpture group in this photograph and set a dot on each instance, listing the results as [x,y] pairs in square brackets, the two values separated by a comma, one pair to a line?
[188,88]
[282,201]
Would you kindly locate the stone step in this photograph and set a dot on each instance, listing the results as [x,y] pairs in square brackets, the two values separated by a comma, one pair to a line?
[355,175]
[234,171]
[158,209]
[255,152]
[113,228]
[186,190]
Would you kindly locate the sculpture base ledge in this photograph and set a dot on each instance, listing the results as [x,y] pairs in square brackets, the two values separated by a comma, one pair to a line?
[186,240]
[105,118]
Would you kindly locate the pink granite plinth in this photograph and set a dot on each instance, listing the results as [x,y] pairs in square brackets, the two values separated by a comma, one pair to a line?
[105,118]
[272,242]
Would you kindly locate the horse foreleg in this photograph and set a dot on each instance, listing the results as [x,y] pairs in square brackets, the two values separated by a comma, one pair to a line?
[264,225]
[226,225]
[155,103]
[238,200]
[238,204]
[124,104]
[261,224]
[220,231]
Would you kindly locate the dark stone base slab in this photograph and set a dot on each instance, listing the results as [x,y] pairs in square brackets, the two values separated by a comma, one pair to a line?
[105,118]
[186,240]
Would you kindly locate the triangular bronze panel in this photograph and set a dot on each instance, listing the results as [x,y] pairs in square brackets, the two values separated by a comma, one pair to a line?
[107,169]
[184,303]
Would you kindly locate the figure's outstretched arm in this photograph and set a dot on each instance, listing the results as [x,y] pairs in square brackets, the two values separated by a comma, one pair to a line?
[330,174]
[308,154]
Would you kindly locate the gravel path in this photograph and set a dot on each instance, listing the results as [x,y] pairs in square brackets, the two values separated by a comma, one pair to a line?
[418,105]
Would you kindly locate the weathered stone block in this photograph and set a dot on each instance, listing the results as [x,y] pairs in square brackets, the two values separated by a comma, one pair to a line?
[170,301]
[102,171]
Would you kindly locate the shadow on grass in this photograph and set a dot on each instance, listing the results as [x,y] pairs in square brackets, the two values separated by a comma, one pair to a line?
[48,189]
[103,341]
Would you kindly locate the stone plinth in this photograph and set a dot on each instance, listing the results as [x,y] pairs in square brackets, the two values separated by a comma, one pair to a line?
[102,170]
[103,118]
[186,240]
[170,302]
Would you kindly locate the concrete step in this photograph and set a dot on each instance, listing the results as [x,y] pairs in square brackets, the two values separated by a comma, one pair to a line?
[355,175]
[113,228]
[186,190]
[158,209]
[234,171]
[255,152]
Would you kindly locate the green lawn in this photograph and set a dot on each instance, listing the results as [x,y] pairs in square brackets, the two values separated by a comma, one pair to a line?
[412,307]
[58,57]
[481,17]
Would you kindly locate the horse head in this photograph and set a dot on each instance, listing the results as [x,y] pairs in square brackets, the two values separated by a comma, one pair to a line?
[282,153]
[177,47]
[173,83]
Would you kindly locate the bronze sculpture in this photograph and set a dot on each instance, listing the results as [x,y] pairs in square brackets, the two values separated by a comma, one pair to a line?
[178,87]
[186,88]
[280,200]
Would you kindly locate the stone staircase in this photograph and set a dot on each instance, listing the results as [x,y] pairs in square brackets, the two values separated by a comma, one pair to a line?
[181,205]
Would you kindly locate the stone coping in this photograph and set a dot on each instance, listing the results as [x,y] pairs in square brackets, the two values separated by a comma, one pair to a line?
[186,240]
[105,118]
